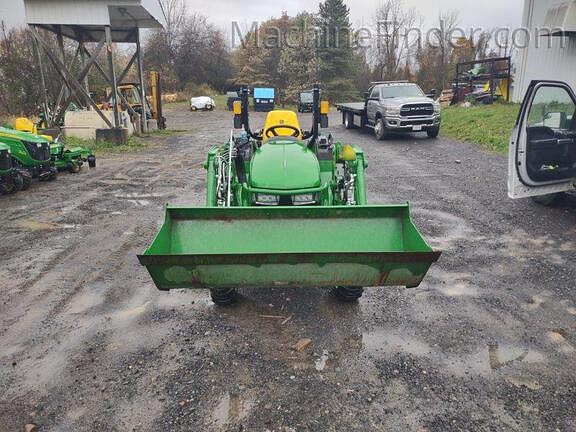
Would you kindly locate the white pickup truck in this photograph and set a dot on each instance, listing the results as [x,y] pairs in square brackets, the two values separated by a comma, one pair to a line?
[542,159]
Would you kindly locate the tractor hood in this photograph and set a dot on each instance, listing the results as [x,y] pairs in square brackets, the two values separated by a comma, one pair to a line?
[22,136]
[284,164]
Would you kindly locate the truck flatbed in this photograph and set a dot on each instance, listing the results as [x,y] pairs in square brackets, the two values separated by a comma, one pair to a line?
[355,107]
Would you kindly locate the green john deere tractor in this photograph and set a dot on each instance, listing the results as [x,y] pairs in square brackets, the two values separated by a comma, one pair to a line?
[12,180]
[287,208]
[64,158]
[30,153]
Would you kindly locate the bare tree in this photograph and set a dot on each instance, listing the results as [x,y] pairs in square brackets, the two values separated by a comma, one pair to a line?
[393,47]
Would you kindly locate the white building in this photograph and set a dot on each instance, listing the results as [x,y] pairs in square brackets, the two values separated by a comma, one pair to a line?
[545,53]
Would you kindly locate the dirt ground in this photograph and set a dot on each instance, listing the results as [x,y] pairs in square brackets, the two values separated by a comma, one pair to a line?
[487,343]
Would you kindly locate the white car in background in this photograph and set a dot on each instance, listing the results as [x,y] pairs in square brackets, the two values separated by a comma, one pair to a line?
[202,103]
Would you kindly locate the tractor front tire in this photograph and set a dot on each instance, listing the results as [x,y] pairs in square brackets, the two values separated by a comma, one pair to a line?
[26,179]
[18,182]
[224,297]
[74,168]
[53,174]
[433,132]
[92,161]
[380,129]
[348,294]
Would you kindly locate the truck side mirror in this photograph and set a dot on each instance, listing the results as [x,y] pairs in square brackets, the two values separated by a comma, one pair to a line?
[366,95]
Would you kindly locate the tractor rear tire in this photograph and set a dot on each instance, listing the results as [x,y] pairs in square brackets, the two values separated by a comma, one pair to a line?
[348,294]
[26,179]
[224,297]
[380,129]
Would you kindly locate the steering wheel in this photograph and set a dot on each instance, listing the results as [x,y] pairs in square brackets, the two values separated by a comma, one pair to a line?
[271,131]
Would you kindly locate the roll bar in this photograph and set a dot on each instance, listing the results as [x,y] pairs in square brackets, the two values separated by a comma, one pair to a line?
[319,120]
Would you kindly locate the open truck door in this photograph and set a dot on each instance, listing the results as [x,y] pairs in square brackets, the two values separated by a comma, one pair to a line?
[542,159]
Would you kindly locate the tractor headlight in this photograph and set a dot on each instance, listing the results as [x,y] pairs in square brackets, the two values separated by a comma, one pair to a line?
[267,200]
[306,199]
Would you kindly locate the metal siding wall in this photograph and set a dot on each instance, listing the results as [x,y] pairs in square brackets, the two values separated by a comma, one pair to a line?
[554,63]
[67,12]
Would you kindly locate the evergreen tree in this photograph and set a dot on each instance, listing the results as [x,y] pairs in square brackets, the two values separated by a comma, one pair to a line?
[337,60]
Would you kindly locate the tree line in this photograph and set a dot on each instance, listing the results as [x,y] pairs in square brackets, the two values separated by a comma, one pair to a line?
[290,53]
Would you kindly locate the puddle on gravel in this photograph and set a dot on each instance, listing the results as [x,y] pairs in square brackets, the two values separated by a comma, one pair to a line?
[34,225]
[493,358]
[231,408]
[387,341]
[454,284]
[91,295]
[320,364]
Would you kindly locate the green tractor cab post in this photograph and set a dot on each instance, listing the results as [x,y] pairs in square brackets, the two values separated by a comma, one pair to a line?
[287,208]
[30,153]
[12,180]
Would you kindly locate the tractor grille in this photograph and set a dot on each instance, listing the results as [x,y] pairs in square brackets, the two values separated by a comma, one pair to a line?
[38,151]
[415,110]
[5,160]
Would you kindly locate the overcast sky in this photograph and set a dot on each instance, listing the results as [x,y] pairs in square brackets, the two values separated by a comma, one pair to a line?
[485,13]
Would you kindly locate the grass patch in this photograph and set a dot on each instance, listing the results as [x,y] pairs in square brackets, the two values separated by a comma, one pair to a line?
[489,126]
[134,143]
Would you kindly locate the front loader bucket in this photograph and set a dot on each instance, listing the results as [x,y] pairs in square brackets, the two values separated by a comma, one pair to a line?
[259,247]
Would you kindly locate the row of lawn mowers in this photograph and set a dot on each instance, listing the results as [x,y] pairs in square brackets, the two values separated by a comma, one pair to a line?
[26,155]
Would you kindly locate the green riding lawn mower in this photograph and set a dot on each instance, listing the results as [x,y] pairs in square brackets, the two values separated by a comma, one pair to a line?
[286,208]
[12,179]
[64,158]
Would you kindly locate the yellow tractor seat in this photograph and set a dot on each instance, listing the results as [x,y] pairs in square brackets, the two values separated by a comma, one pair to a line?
[278,118]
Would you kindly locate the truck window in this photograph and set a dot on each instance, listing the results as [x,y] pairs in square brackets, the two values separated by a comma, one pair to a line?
[375,93]
[395,91]
[553,107]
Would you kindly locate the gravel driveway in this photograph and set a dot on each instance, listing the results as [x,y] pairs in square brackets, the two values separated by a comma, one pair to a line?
[486,343]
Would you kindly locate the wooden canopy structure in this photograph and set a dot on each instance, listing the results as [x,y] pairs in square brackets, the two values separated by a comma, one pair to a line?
[103,22]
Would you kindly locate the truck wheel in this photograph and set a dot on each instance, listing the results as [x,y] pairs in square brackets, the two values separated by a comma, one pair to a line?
[548,200]
[224,297]
[26,179]
[433,133]
[209,107]
[193,109]
[349,121]
[348,294]
[380,129]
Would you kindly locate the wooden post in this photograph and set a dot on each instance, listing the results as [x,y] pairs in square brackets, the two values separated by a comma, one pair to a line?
[112,73]
[143,117]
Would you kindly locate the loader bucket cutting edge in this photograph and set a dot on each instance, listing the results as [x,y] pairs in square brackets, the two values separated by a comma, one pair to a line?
[256,247]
